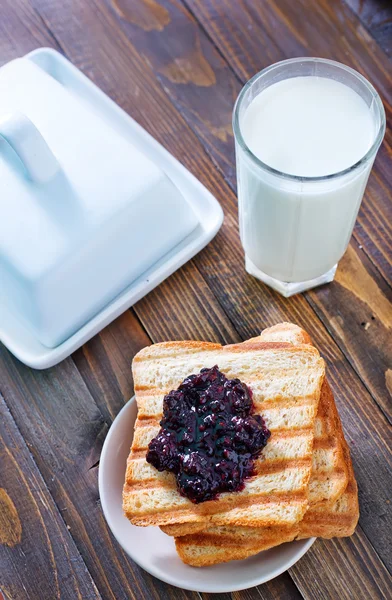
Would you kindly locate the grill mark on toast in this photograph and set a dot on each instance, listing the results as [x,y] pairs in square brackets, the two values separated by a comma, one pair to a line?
[256,346]
[230,541]
[226,501]
[328,519]
[279,498]
[151,353]
[262,467]
[154,418]
[287,433]
[215,507]
[282,432]
[278,465]
[166,481]
[281,402]
[329,475]
[137,454]
[152,421]
[328,443]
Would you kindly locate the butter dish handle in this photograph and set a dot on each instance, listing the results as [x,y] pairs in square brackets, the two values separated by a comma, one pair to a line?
[23,136]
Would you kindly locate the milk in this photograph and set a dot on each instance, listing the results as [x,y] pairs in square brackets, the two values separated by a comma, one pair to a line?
[292,229]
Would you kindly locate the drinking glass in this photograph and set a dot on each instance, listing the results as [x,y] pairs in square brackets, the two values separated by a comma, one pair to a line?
[295,229]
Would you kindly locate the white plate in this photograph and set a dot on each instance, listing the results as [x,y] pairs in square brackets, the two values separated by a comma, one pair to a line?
[155,551]
[16,337]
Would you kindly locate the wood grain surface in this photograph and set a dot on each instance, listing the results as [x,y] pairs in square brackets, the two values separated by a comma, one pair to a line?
[376,16]
[177,67]
[33,536]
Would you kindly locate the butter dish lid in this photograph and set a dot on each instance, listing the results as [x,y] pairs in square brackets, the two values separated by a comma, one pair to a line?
[83,212]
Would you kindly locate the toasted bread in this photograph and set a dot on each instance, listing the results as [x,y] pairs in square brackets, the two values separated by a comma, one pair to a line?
[286,382]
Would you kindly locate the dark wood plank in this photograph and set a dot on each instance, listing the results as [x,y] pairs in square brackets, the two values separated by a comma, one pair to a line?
[33,536]
[21,30]
[249,305]
[284,589]
[64,430]
[251,35]
[337,578]
[196,99]
[364,326]
[105,363]
[193,311]
[376,16]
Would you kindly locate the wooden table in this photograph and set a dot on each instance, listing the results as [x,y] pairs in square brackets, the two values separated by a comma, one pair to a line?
[177,66]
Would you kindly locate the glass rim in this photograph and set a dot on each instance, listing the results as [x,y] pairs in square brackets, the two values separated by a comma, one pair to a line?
[365,158]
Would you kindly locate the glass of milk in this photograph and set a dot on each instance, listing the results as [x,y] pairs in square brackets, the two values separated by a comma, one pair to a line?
[307,131]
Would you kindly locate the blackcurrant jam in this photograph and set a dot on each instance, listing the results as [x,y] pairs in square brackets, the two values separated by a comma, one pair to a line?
[209,436]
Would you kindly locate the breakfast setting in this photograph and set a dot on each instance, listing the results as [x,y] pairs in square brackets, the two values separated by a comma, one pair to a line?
[196,302]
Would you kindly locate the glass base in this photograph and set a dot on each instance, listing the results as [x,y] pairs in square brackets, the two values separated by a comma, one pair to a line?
[285,288]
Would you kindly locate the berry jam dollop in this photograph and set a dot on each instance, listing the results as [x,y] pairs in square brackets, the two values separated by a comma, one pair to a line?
[209,436]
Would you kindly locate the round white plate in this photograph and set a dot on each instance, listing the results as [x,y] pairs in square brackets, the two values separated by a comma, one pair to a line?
[150,548]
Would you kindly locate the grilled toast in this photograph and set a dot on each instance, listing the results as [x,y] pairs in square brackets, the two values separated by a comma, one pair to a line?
[286,382]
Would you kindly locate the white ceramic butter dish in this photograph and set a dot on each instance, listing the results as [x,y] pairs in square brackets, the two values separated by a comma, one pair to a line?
[94,213]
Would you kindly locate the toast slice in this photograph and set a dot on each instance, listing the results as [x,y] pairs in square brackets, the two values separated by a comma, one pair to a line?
[218,544]
[286,382]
